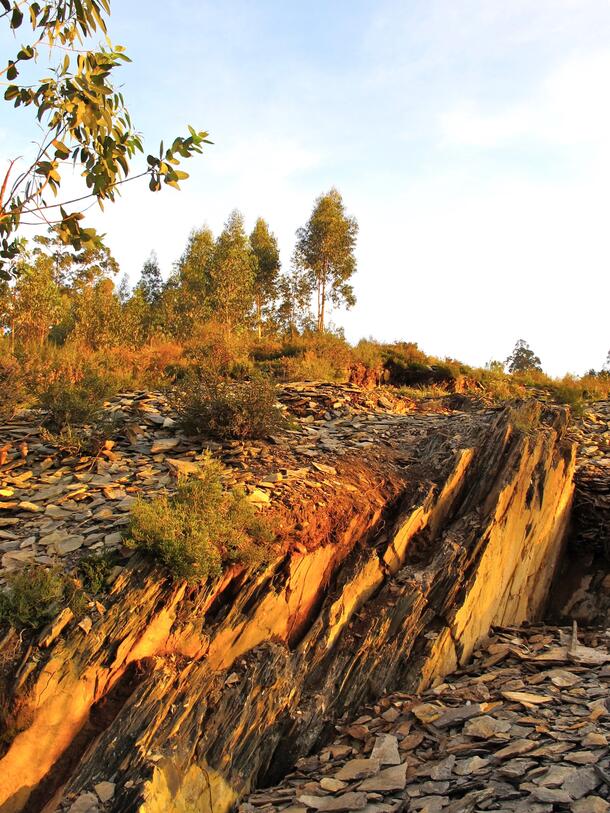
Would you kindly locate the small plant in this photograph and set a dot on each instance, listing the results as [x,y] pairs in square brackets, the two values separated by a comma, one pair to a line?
[82,441]
[200,528]
[69,403]
[210,405]
[95,571]
[35,594]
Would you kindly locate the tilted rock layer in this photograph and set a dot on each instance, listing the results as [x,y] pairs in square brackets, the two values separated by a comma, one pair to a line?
[179,698]
[582,587]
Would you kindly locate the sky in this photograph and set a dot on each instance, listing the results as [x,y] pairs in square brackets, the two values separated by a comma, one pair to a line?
[470,139]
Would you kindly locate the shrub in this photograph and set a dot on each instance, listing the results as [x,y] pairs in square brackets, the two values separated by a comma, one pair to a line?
[370,353]
[214,351]
[68,403]
[309,367]
[95,571]
[34,595]
[227,409]
[315,357]
[570,393]
[200,529]
[12,388]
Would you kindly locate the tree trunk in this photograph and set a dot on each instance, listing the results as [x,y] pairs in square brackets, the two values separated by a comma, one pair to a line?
[322,307]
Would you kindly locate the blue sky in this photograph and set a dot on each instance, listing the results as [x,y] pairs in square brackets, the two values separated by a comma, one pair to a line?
[471,139]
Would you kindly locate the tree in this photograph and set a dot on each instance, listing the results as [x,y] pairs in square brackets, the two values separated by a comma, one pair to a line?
[293,311]
[523,359]
[36,301]
[82,118]
[325,253]
[185,301]
[143,309]
[72,269]
[124,290]
[98,316]
[267,269]
[232,270]
[151,281]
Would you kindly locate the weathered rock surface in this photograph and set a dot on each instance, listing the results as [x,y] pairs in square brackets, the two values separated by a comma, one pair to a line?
[544,751]
[582,588]
[411,535]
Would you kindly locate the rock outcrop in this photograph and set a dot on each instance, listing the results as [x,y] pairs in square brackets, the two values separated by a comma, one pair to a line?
[181,698]
[582,587]
[524,728]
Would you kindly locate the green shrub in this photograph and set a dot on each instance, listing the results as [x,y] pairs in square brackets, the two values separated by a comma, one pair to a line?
[213,351]
[227,409]
[35,594]
[69,403]
[370,353]
[95,570]
[311,366]
[200,529]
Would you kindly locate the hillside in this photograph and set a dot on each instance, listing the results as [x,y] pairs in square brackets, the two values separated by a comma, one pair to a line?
[402,536]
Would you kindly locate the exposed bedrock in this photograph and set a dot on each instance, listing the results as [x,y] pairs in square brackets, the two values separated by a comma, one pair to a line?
[185,698]
[582,587]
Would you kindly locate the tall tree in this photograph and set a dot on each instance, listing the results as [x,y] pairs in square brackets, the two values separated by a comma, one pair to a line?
[36,301]
[80,117]
[98,316]
[523,359]
[185,301]
[151,281]
[232,270]
[145,301]
[76,269]
[325,253]
[293,312]
[266,271]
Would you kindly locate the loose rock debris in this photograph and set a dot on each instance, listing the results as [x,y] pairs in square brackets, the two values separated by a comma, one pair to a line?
[56,506]
[525,728]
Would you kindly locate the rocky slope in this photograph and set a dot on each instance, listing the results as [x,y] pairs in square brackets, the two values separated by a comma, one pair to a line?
[524,728]
[405,536]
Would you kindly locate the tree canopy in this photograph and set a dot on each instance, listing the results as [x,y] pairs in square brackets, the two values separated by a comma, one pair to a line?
[266,268]
[324,253]
[83,120]
[523,359]
[232,270]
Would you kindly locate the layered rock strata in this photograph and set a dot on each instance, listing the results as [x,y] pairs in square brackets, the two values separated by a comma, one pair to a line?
[185,698]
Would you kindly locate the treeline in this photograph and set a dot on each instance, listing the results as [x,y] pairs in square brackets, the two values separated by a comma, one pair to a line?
[230,307]
[234,281]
